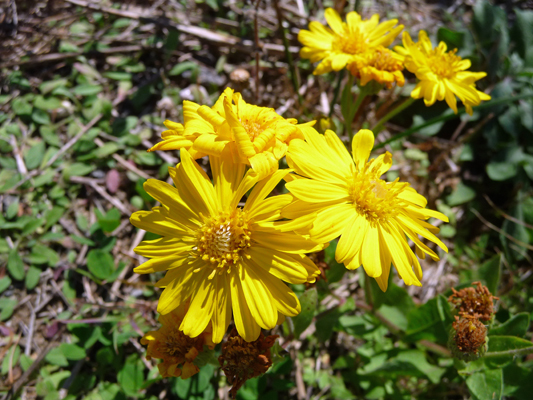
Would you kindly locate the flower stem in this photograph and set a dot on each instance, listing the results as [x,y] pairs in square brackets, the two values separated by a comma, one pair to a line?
[362,94]
[511,352]
[336,93]
[381,123]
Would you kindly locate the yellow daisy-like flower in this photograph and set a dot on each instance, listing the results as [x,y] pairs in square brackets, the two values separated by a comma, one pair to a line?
[221,257]
[442,73]
[176,349]
[381,65]
[373,217]
[256,136]
[337,46]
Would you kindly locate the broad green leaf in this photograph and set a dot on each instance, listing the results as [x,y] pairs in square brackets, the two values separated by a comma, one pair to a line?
[15,266]
[48,86]
[43,255]
[56,357]
[336,271]
[505,343]
[72,351]
[308,302]
[430,321]
[100,263]
[514,326]
[40,117]
[53,215]
[77,169]
[460,195]
[501,171]
[523,35]
[5,282]
[106,150]
[10,358]
[47,103]
[486,385]
[489,272]
[32,277]
[131,376]
[21,106]
[453,39]
[87,89]
[50,136]
[12,209]
[7,306]
[34,155]
[178,69]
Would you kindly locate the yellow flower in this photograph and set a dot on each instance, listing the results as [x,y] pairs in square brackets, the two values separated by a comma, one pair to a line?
[442,73]
[174,347]
[256,136]
[337,46]
[381,65]
[372,216]
[221,257]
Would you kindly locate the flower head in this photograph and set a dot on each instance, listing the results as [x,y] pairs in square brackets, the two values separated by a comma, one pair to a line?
[336,47]
[248,134]
[372,216]
[176,349]
[381,65]
[241,360]
[475,301]
[468,338]
[220,257]
[442,74]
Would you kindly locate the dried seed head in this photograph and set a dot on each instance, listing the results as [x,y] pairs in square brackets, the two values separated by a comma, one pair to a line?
[241,360]
[467,338]
[474,301]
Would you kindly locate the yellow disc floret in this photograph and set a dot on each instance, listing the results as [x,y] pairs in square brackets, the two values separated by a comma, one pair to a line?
[222,239]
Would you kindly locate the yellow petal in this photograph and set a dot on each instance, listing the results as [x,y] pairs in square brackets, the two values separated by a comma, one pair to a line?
[162,247]
[286,242]
[370,253]
[334,20]
[244,322]
[222,312]
[159,264]
[201,306]
[279,264]
[315,191]
[331,222]
[226,178]
[156,223]
[362,145]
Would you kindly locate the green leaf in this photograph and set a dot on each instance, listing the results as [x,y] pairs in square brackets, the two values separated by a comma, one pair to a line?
[72,351]
[46,103]
[7,306]
[131,376]
[87,89]
[5,282]
[100,263]
[308,301]
[505,343]
[15,266]
[453,39]
[12,209]
[336,270]
[40,117]
[56,357]
[178,69]
[43,255]
[490,271]
[10,358]
[110,221]
[485,385]
[53,215]
[430,321]
[77,169]
[501,171]
[106,150]
[48,86]
[34,156]
[118,76]
[523,35]
[50,136]
[460,195]
[21,107]
[32,277]
[515,326]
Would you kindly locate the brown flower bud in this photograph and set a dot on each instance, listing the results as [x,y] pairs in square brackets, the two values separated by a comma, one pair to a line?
[474,301]
[242,360]
[468,338]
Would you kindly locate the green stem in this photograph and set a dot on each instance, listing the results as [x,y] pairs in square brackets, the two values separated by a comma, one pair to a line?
[513,352]
[362,94]
[336,93]
[447,117]
[381,123]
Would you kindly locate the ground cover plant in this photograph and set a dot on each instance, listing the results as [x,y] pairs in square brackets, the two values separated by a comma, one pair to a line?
[175,224]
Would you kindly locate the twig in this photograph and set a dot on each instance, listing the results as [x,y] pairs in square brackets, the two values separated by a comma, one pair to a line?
[21,166]
[500,231]
[257,47]
[102,192]
[505,215]
[124,163]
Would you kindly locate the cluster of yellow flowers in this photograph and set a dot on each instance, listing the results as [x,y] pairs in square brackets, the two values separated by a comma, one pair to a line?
[229,247]
[361,47]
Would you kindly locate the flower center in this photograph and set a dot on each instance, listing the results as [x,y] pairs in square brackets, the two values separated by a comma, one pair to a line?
[383,60]
[350,43]
[176,343]
[444,64]
[223,238]
[253,127]
[374,198]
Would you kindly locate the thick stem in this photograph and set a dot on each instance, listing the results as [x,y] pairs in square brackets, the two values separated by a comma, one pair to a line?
[513,352]
[336,93]
[362,94]
[381,123]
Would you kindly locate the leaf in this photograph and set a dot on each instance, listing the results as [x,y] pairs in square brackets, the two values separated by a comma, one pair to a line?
[77,169]
[32,277]
[453,39]
[131,376]
[460,195]
[5,282]
[21,107]
[100,263]
[53,215]
[501,171]
[308,302]
[336,271]
[109,221]
[48,86]
[12,209]
[182,67]
[106,150]
[72,351]
[490,271]
[523,35]
[515,326]
[118,76]
[7,306]
[11,358]
[486,385]
[15,266]
[56,357]
[34,155]
[505,343]
[40,117]
[47,103]
[87,89]
[430,321]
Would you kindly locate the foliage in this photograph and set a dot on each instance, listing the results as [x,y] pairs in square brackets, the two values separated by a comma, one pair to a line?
[65,258]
